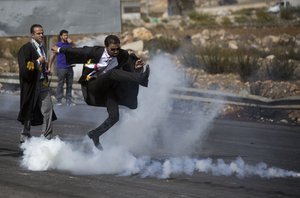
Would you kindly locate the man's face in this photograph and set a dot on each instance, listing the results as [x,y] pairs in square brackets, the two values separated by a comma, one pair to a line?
[38,34]
[64,37]
[113,49]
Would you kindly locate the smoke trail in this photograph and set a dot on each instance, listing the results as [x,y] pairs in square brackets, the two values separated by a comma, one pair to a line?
[41,154]
[147,129]
[138,129]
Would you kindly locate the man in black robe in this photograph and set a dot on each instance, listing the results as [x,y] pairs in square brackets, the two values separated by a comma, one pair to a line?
[35,100]
[110,77]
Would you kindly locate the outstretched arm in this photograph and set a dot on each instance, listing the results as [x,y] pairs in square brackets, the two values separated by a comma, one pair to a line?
[75,55]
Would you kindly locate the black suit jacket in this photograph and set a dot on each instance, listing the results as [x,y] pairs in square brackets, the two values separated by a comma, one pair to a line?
[97,90]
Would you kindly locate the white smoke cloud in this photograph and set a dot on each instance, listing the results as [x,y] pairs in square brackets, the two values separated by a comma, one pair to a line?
[41,154]
[147,129]
[138,129]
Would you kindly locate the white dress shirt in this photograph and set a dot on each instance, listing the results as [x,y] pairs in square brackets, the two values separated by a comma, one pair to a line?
[105,64]
[39,48]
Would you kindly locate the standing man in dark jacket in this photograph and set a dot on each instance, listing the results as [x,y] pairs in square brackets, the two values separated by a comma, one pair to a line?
[64,71]
[110,77]
[35,100]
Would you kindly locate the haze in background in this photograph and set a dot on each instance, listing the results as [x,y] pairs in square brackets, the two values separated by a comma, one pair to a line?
[76,16]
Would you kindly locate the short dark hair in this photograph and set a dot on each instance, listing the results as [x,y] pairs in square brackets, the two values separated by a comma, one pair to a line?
[34,26]
[111,39]
[63,32]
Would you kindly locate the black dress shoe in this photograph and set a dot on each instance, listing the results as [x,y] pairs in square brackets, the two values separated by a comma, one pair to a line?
[95,140]
[145,76]
[24,137]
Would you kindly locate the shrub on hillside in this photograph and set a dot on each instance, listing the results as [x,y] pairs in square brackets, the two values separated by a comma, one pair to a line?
[166,44]
[285,52]
[201,19]
[190,57]
[226,21]
[216,59]
[246,66]
[286,14]
[263,17]
[145,18]
[280,69]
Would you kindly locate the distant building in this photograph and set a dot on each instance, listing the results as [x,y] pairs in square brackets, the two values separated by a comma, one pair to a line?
[283,4]
[214,3]
[131,9]
[293,3]
[158,8]
[154,8]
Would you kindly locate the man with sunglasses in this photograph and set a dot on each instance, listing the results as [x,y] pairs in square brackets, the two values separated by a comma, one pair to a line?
[110,77]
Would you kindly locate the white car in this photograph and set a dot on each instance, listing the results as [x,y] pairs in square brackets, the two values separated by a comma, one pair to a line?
[278,6]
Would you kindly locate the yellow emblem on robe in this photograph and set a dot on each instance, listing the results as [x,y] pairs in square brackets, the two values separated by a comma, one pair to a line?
[88,77]
[30,65]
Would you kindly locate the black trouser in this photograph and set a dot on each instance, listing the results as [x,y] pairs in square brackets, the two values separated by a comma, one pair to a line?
[26,128]
[64,75]
[112,107]
[124,76]
[105,83]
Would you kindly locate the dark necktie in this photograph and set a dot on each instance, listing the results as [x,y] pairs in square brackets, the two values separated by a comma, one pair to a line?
[43,65]
[42,50]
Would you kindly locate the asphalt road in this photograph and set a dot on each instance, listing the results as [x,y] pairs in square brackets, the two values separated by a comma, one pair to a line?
[275,145]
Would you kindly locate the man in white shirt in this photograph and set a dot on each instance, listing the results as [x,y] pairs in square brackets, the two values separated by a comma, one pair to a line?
[35,100]
[110,77]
